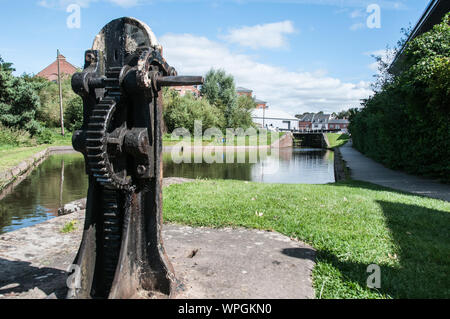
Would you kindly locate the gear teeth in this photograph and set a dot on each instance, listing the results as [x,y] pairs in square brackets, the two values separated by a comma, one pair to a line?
[98,162]
[112,235]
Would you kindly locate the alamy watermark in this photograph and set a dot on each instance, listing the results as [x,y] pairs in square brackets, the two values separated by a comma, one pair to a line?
[236,145]
[74,280]
[74,19]
[374,279]
[374,18]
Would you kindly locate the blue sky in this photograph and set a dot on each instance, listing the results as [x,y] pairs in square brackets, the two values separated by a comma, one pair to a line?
[299,55]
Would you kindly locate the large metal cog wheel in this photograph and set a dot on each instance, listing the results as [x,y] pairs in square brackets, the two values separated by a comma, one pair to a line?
[106,161]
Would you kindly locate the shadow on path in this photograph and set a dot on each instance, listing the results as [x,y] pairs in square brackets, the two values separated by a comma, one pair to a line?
[300,253]
[17,277]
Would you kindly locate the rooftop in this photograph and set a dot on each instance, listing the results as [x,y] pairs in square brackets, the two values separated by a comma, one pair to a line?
[51,72]
[243,90]
[273,114]
[260,101]
[339,121]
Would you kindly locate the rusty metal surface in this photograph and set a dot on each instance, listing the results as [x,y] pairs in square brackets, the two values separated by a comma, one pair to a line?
[122,254]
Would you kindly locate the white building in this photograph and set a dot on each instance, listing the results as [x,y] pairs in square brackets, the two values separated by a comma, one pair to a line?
[274,119]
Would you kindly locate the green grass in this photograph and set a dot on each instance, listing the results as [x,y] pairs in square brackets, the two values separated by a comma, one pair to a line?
[337,139]
[11,156]
[351,224]
[69,227]
[167,141]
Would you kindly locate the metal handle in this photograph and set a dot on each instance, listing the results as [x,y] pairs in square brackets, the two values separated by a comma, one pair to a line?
[180,80]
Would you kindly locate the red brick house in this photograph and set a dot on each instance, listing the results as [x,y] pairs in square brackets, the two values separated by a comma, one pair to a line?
[337,124]
[51,72]
[305,122]
[240,91]
[261,104]
[243,91]
[182,90]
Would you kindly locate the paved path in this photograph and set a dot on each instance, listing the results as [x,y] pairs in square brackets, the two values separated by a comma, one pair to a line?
[227,263]
[365,169]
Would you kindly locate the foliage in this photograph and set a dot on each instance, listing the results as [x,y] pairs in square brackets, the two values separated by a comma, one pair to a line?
[48,92]
[15,137]
[182,111]
[45,136]
[220,91]
[18,103]
[73,114]
[6,66]
[406,124]
[242,116]
[344,115]
[218,107]
[69,227]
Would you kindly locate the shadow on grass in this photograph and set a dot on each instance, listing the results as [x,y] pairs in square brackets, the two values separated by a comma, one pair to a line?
[422,238]
[343,137]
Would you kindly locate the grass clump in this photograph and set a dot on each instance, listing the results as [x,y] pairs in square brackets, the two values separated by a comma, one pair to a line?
[69,227]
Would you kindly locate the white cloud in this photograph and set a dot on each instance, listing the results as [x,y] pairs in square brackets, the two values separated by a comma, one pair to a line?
[291,91]
[356,14]
[357,26]
[270,35]
[85,3]
[385,4]
[387,56]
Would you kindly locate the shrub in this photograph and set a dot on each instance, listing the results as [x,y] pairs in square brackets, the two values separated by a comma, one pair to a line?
[15,137]
[49,112]
[406,124]
[73,115]
[182,111]
[18,103]
[45,136]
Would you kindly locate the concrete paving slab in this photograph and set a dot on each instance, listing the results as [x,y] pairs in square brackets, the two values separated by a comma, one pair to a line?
[209,263]
[365,169]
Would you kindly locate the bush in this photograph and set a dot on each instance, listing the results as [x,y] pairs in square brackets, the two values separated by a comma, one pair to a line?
[45,136]
[49,113]
[219,90]
[15,137]
[406,124]
[182,111]
[18,103]
[73,115]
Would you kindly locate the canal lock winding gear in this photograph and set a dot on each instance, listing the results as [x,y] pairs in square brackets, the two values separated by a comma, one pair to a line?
[122,254]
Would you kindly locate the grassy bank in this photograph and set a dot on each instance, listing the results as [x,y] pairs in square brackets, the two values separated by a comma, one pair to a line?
[12,155]
[337,139]
[351,224]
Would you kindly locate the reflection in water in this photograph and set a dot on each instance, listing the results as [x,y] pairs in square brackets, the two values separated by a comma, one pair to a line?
[288,166]
[62,179]
[58,180]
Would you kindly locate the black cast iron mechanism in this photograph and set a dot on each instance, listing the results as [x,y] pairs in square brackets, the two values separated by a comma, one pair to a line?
[122,253]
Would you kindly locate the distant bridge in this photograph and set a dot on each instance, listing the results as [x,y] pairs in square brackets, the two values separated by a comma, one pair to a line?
[310,139]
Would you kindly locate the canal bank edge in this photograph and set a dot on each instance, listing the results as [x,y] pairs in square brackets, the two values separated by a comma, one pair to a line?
[341,171]
[12,177]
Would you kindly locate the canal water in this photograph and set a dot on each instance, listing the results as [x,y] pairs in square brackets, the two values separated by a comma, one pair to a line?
[61,179]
